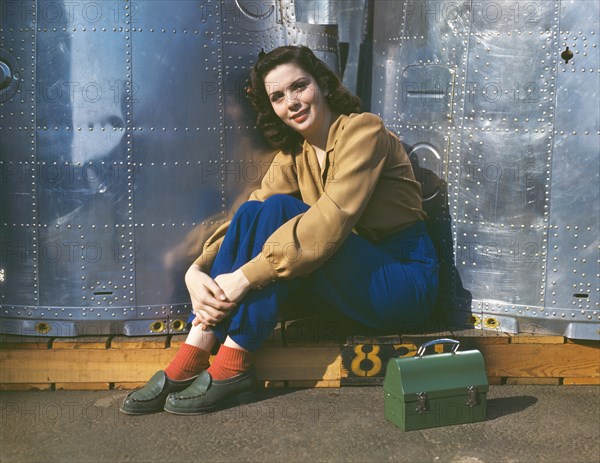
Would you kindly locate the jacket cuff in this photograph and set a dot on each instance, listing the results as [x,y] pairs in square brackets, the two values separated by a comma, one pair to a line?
[259,272]
[204,262]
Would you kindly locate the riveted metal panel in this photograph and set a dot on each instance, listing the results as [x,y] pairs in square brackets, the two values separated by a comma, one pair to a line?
[128,140]
[83,190]
[160,103]
[17,67]
[501,190]
[18,168]
[177,148]
[503,176]
[316,11]
[248,28]
[573,241]
[433,32]
[427,146]
[168,226]
[420,53]
[502,172]
[389,18]
[18,260]
[501,263]
[351,19]
[414,42]
[525,46]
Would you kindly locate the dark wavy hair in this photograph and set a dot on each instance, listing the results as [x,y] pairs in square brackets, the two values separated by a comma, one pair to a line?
[277,133]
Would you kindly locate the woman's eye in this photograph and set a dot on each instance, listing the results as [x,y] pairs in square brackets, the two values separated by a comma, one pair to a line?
[300,85]
[276,97]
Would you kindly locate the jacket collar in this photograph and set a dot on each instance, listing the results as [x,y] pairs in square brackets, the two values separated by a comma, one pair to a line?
[334,132]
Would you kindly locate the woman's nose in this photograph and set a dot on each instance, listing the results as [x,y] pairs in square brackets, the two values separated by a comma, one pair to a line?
[293,99]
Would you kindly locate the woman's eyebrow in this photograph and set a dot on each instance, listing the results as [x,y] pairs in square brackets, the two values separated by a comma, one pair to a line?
[290,85]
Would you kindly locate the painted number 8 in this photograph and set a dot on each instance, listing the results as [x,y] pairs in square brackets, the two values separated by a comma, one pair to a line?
[366,362]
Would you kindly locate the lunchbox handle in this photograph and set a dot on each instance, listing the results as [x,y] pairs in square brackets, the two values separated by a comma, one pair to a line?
[425,345]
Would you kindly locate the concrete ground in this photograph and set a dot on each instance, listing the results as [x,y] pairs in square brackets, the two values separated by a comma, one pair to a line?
[525,424]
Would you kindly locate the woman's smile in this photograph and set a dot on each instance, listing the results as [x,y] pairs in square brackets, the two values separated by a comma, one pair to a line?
[300,116]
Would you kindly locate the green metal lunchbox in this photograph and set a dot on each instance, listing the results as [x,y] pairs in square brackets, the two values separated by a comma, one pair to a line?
[427,391]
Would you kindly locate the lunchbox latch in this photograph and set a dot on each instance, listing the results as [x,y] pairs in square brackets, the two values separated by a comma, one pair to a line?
[472,396]
[422,399]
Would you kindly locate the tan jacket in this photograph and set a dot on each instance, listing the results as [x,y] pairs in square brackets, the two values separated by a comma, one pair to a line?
[369,187]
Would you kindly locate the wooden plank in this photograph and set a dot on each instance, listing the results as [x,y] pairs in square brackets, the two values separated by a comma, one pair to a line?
[81,365]
[485,340]
[177,340]
[539,360]
[495,381]
[532,381]
[365,381]
[83,342]
[536,339]
[390,339]
[480,333]
[135,365]
[312,332]
[315,383]
[299,363]
[577,363]
[82,386]
[276,338]
[139,342]
[468,338]
[581,381]
[274,384]
[475,333]
[26,386]
[10,341]
[321,343]
[129,386]
[476,337]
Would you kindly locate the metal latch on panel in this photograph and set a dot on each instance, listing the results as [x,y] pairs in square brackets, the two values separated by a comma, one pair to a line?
[421,400]
[427,93]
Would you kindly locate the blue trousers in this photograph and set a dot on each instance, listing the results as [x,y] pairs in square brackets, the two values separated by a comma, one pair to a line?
[384,285]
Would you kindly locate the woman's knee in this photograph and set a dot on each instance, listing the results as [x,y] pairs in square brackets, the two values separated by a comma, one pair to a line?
[250,208]
[284,204]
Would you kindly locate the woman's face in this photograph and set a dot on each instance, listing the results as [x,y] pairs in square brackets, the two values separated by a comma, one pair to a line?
[297,99]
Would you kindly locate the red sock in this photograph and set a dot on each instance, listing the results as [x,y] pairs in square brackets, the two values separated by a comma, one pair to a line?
[229,362]
[189,361]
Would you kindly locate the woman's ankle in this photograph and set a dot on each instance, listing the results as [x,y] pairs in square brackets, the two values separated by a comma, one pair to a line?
[229,362]
[187,363]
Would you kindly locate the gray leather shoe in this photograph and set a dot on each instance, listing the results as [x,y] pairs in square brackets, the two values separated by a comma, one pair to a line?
[151,398]
[206,394]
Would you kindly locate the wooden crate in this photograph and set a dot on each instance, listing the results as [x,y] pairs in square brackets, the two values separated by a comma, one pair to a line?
[298,358]
[521,359]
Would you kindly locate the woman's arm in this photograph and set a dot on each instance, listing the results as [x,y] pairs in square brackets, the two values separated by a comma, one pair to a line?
[280,178]
[359,159]
[209,301]
[212,300]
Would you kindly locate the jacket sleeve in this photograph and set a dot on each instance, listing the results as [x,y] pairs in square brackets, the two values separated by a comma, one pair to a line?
[280,178]
[305,242]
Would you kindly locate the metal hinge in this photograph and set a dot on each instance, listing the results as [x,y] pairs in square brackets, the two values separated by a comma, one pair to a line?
[472,396]
[422,399]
